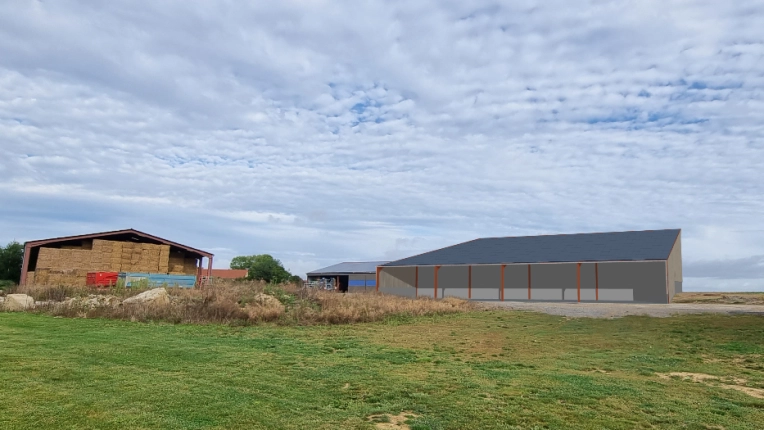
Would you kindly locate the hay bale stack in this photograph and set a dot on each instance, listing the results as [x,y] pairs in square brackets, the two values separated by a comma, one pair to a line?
[164,258]
[70,266]
[190,265]
[176,262]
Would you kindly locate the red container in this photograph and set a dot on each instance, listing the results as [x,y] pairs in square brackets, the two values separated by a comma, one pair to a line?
[102,279]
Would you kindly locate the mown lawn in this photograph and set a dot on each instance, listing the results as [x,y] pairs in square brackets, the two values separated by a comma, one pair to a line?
[478,370]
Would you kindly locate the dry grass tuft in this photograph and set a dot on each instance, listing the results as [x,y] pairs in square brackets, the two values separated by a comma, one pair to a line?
[243,303]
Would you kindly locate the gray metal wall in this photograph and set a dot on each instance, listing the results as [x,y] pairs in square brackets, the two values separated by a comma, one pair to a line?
[516,282]
[675,268]
[453,281]
[399,281]
[633,281]
[426,281]
[553,281]
[486,282]
[618,281]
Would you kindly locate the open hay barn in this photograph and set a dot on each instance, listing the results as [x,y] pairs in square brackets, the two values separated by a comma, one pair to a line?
[67,260]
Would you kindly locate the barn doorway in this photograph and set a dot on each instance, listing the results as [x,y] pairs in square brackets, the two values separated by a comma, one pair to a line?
[342,283]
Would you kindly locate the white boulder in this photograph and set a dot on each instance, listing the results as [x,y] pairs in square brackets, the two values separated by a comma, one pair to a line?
[18,302]
[156,296]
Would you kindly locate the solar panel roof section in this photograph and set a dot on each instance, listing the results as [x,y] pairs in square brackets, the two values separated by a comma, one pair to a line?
[615,246]
[349,267]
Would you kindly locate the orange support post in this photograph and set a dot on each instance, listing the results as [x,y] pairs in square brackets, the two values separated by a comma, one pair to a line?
[578,280]
[469,282]
[529,282]
[435,295]
[379,269]
[503,266]
[596,281]
[416,281]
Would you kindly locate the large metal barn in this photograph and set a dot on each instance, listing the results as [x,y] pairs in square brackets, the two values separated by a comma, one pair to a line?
[632,266]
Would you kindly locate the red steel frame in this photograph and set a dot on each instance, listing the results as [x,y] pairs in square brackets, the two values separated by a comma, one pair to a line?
[503,266]
[529,282]
[469,282]
[416,281]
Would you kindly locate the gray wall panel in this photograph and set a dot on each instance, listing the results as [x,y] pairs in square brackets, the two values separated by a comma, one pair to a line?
[515,293]
[356,289]
[675,267]
[553,277]
[516,280]
[546,294]
[426,281]
[587,276]
[486,282]
[647,280]
[617,295]
[397,277]
[398,280]
[588,294]
[453,281]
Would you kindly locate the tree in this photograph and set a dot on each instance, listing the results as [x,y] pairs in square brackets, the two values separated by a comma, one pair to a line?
[262,267]
[11,259]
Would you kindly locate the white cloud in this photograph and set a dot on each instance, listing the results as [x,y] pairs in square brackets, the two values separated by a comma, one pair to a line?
[322,132]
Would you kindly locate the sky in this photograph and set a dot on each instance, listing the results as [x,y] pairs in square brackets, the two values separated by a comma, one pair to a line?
[327,131]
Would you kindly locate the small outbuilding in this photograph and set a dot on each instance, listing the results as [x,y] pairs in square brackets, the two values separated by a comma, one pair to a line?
[68,260]
[631,266]
[351,277]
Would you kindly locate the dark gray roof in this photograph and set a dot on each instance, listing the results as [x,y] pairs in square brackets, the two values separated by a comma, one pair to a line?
[348,268]
[618,246]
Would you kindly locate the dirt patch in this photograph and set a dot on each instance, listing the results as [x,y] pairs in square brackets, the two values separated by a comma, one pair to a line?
[697,377]
[710,379]
[392,422]
[753,392]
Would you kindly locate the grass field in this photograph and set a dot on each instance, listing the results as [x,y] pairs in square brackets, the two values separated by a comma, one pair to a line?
[475,370]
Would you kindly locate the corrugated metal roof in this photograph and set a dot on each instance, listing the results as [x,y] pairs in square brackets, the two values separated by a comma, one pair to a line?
[616,246]
[349,267]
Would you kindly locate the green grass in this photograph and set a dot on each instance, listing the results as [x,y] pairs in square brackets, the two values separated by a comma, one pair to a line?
[476,370]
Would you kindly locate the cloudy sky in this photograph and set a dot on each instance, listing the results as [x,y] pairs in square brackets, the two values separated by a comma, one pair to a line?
[325,131]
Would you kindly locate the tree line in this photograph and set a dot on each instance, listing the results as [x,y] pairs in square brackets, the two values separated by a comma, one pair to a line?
[11,259]
[264,267]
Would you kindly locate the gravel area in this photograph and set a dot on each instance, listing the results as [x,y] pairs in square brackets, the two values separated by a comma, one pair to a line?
[617,310]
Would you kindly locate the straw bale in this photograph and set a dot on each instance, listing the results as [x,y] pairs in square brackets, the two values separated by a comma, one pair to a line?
[30,278]
[41,276]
